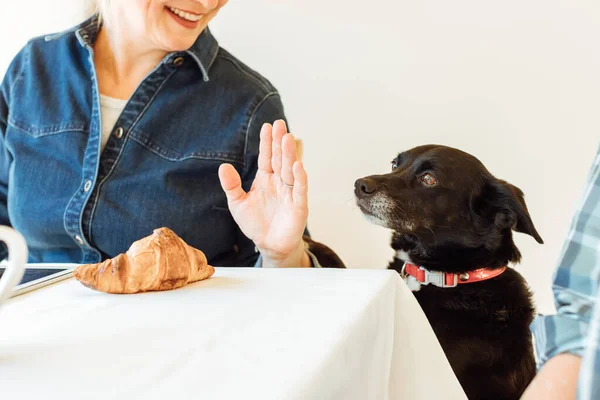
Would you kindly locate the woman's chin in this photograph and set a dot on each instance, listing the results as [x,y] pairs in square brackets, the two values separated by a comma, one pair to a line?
[173,39]
[177,44]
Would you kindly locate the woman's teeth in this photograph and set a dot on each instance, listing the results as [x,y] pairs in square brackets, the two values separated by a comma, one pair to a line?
[185,15]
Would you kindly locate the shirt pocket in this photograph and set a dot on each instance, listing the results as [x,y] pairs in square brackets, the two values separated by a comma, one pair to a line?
[40,111]
[36,129]
[201,144]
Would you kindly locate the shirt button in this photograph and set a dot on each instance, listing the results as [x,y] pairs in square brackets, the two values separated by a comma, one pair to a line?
[78,239]
[178,61]
[87,186]
[119,133]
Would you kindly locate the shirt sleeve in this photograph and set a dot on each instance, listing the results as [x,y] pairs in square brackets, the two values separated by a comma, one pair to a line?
[11,76]
[4,168]
[575,281]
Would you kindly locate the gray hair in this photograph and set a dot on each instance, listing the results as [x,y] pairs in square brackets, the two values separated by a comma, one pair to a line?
[102,9]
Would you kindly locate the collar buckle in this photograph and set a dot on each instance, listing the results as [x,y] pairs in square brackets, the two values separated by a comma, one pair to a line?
[438,278]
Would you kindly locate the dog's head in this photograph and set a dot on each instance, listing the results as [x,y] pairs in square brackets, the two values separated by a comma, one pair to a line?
[443,204]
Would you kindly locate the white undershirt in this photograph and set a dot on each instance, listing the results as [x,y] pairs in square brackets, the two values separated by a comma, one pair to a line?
[111,109]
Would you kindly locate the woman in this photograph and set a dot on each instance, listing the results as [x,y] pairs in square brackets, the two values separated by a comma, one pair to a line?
[137,119]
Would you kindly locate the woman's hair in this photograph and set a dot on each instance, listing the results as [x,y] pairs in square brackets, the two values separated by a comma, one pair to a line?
[102,9]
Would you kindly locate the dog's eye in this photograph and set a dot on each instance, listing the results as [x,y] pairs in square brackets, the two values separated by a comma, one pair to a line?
[394,165]
[428,180]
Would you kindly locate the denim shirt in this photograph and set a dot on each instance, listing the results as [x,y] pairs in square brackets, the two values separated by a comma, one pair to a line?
[75,203]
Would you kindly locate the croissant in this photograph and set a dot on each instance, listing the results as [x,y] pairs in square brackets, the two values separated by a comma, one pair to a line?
[161,261]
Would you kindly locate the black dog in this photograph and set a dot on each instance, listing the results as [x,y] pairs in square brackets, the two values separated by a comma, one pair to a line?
[452,222]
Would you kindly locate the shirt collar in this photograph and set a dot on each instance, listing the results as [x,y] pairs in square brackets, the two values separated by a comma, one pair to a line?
[204,50]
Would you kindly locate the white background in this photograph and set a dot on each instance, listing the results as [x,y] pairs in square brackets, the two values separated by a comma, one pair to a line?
[515,83]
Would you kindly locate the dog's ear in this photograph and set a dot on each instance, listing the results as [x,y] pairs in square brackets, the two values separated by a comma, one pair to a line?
[504,205]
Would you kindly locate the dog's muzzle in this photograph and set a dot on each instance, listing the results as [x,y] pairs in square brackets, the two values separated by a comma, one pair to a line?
[364,187]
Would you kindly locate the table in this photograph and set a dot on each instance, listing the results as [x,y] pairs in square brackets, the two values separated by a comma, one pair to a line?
[245,333]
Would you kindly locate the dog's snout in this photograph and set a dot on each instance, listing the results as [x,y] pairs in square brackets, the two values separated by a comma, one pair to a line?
[365,187]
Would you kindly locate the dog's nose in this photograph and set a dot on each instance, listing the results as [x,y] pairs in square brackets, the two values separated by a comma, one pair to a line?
[364,187]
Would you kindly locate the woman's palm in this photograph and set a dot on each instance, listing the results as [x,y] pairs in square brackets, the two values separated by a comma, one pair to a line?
[271,214]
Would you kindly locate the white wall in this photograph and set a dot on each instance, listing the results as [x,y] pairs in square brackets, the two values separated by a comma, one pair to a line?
[515,83]
[21,20]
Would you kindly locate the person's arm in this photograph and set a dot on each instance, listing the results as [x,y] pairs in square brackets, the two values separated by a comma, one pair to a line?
[267,110]
[557,380]
[308,253]
[561,339]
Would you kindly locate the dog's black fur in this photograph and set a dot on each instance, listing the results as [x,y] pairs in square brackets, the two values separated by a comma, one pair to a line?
[449,213]
[325,255]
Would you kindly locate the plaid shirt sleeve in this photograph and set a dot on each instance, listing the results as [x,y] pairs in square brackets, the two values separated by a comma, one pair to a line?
[575,328]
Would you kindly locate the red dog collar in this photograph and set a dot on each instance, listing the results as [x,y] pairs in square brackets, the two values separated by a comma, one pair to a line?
[444,279]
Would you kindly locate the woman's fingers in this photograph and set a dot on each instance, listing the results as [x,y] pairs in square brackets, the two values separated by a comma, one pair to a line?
[231,182]
[279,129]
[265,149]
[300,191]
[288,159]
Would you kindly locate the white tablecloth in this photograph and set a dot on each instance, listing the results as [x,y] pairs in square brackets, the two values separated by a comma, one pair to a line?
[243,334]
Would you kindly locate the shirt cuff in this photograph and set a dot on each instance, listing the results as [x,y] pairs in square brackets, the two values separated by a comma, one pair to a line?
[258,263]
[313,259]
[566,331]
[556,334]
